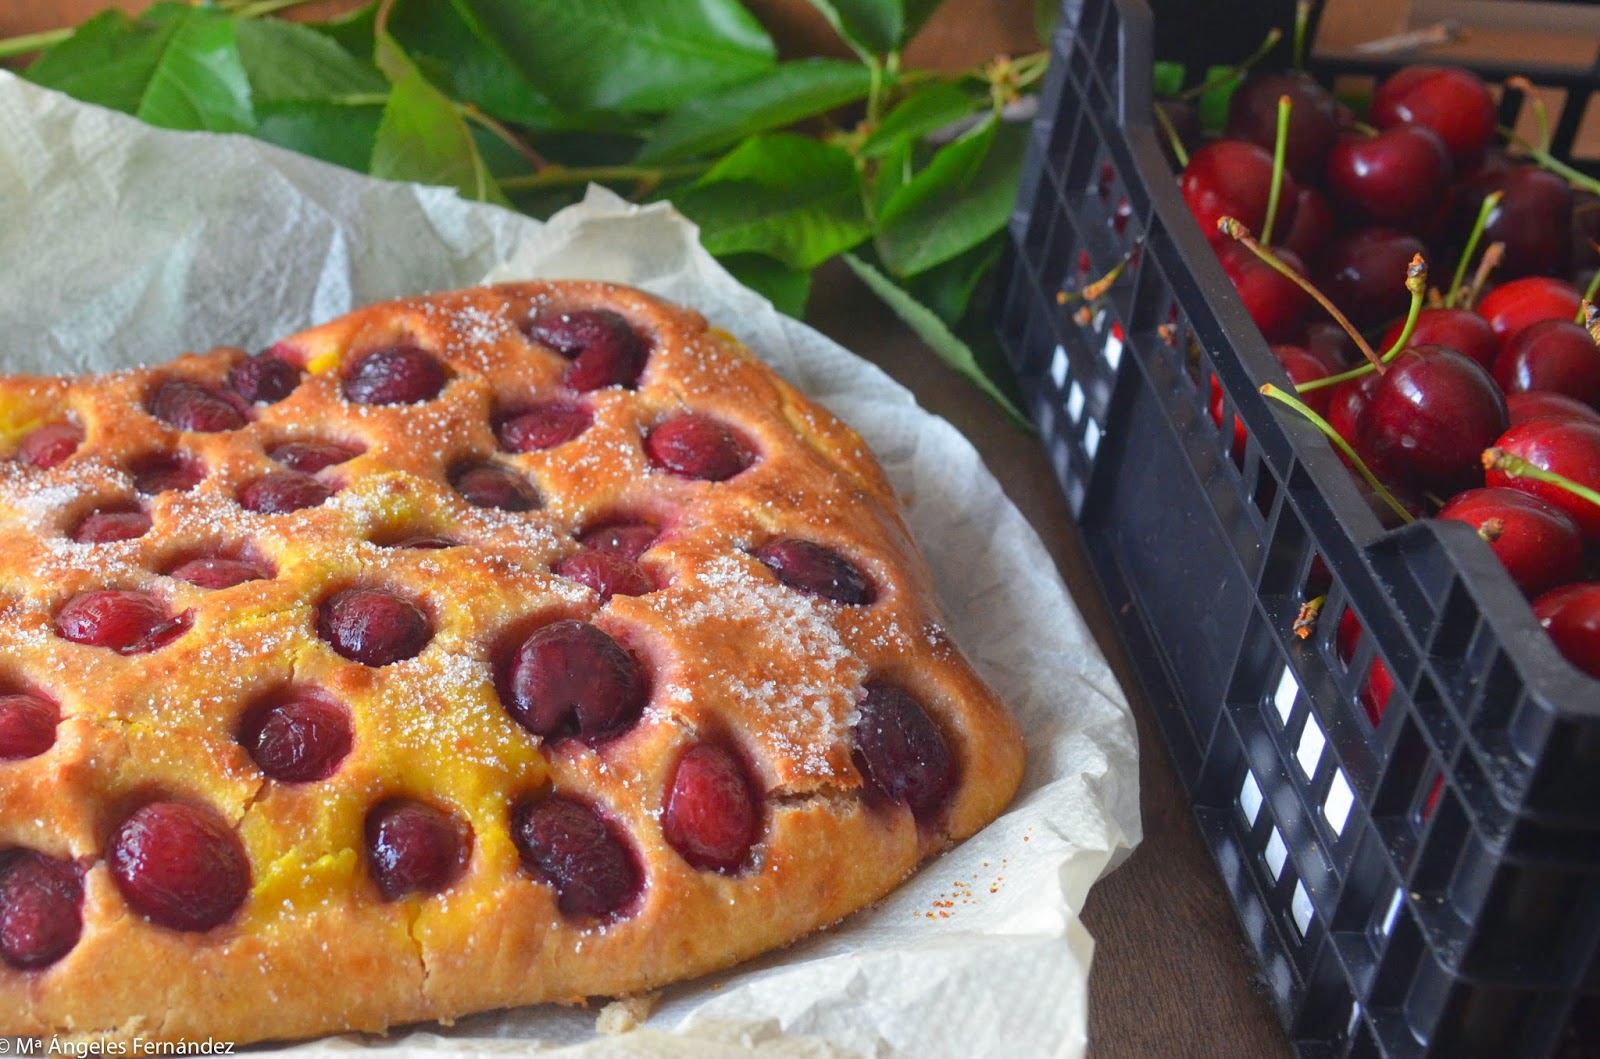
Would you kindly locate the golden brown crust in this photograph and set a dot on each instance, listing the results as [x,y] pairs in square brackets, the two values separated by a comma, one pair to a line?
[730,652]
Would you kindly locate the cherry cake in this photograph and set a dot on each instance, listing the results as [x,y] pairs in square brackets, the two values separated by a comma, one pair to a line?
[519,644]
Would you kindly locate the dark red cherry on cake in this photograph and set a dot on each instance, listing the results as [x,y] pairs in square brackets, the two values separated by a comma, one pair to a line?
[628,539]
[1459,329]
[696,446]
[1570,448]
[402,374]
[1571,615]
[1430,416]
[1313,120]
[1536,404]
[1396,178]
[900,752]
[27,726]
[281,492]
[373,627]
[542,426]
[299,739]
[1233,178]
[607,573]
[123,621]
[816,570]
[41,900]
[50,445]
[604,348]
[1533,221]
[1514,305]
[1276,303]
[1556,356]
[218,572]
[1538,544]
[1364,274]
[180,866]
[161,473]
[489,485]
[414,848]
[194,406]
[570,675]
[1454,103]
[569,846]
[265,378]
[106,525]
[711,816]
[310,456]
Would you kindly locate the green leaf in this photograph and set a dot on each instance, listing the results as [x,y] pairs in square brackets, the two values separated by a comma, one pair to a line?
[933,331]
[1221,83]
[794,198]
[354,31]
[287,62]
[894,172]
[871,27]
[625,55]
[917,13]
[422,137]
[175,66]
[962,197]
[918,114]
[947,289]
[786,288]
[780,97]
[333,132]
[1167,78]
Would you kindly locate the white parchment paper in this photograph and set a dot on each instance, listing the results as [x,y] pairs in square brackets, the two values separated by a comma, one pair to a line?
[124,245]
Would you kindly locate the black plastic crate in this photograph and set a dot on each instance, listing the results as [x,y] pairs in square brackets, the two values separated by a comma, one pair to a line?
[1430,883]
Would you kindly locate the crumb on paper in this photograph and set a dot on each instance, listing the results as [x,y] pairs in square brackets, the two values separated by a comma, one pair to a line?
[626,1014]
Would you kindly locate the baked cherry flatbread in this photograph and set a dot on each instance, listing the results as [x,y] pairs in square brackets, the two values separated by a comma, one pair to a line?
[519,644]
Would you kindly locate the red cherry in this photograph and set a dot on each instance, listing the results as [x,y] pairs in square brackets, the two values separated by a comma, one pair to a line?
[27,726]
[1512,306]
[1313,227]
[126,622]
[543,427]
[711,817]
[162,473]
[568,675]
[1276,303]
[1431,415]
[492,486]
[309,457]
[603,347]
[414,848]
[424,541]
[1364,274]
[1536,404]
[1379,686]
[179,866]
[1397,177]
[1571,615]
[281,492]
[628,539]
[216,572]
[816,571]
[1459,329]
[50,445]
[107,525]
[697,446]
[191,406]
[394,375]
[1301,367]
[1232,178]
[1454,103]
[1345,405]
[569,846]
[373,627]
[900,752]
[265,378]
[298,740]
[1566,446]
[1313,121]
[607,573]
[1533,221]
[1539,545]
[1557,356]
[40,909]
[1331,344]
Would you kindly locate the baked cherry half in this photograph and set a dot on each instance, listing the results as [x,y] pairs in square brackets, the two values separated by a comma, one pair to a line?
[696,446]
[161,473]
[298,739]
[492,486]
[628,539]
[41,901]
[607,573]
[265,378]
[403,374]
[27,726]
[900,752]
[107,524]
[711,816]
[50,445]
[218,572]
[194,406]
[179,866]
[603,347]
[125,622]
[309,457]
[543,426]
[413,848]
[373,627]
[281,492]
[816,571]
[567,844]
[570,675]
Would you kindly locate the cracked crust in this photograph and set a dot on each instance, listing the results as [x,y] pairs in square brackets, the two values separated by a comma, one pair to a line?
[730,652]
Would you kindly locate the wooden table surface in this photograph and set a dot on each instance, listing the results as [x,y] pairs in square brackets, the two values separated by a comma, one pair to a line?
[1172,974]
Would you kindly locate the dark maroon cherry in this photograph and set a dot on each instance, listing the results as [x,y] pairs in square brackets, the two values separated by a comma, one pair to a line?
[414,848]
[27,726]
[1512,306]
[490,485]
[607,573]
[1331,344]
[570,674]
[217,572]
[1570,448]
[543,427]
[568,845]
[1571,615]
[1232,178]
[265,378]
[126,622]
[1397,177]
[1539,545]
[104,526]
[179,866]
[711,816]
[309,457]
[1533,220]
[1276,303]
[1459,329]
[301,739]
[1313,122]
[191,406]
[1536,404]
[41,901]
[1556,356]
[697,446]
[281,492]
[628,539]
[373,627]
[50,445]
[1451,101]
[1364,274]
[816,570]
[1313,227]
[901,753]
[1431,415]
[161,473]
[395,375]
[604,349]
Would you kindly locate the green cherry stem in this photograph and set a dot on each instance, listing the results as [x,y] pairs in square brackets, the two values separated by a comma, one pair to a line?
[1536,100]
[1339,443]
[1490,202]
[1280,146]
[1546,160]
[1417,286]
[1512,465]
[1173,139]
[1274,35]
[1302,23]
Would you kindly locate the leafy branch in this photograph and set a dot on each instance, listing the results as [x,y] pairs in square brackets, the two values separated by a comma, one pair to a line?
[908,174]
